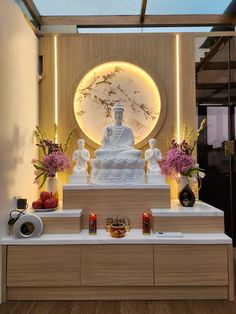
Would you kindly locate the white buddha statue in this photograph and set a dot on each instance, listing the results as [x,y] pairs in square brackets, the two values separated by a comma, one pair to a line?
[81,156]
[118,139]
[117,161]
[153,156]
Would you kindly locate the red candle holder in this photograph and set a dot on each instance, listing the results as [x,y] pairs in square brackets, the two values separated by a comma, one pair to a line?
[92,224]
[146,223]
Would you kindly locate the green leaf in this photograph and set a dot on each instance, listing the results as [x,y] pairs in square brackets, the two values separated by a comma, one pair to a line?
[68,139]
[55,132]
[44,179]
[38,167]
[38,176]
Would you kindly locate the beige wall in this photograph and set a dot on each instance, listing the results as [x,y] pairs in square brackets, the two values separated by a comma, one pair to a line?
[18,107]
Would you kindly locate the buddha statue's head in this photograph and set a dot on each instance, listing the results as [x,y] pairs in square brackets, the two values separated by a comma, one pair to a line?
[81,143]
[152,143]
[118,112]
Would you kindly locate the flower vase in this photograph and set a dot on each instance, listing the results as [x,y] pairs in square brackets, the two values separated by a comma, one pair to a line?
[52,185]
[185,195]
[182,182]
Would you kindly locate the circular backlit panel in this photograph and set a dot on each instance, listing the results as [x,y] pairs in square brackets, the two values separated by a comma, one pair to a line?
[113,82]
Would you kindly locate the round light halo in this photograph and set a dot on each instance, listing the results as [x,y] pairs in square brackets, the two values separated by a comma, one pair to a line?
[115,81]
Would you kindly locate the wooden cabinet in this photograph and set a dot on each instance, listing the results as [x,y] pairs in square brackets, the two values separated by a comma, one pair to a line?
[117,265]
[119,271]
[191,265]
[43,266]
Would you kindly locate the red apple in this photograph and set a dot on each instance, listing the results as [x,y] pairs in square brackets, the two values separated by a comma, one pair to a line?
[50,203]
[45,195]
[37,204]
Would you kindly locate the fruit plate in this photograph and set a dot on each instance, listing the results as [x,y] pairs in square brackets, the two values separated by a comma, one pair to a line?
[44,209]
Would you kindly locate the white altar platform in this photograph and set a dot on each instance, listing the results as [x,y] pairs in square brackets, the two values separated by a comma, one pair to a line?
[135,236]
[126,186]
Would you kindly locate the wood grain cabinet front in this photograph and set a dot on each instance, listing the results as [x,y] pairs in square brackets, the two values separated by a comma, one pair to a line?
[117,265]
[191,265]
[43,266]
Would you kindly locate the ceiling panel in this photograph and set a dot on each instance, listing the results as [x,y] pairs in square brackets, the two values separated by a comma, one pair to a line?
[88,7]
[162,7]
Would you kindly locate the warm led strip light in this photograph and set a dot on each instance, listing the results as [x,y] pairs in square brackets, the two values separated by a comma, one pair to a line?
[177,89]
[55,86]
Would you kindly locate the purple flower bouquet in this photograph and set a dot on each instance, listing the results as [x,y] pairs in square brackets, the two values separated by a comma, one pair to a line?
[54,159]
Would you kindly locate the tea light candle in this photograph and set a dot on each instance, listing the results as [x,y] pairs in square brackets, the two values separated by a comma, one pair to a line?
[146,223]
[92,224]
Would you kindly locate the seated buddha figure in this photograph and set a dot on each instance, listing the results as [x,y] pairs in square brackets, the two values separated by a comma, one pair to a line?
[118,139]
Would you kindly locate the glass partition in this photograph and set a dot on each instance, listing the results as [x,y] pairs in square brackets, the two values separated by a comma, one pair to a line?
[216,101]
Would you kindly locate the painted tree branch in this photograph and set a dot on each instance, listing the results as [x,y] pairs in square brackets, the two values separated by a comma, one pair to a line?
[107,102]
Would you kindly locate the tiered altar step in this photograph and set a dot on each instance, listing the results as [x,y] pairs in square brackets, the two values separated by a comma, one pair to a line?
[59,221]
[112,200]
[201,218]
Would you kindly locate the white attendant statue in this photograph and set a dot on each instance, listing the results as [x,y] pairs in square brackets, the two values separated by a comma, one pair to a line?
[153,156]
[82,157]
[117,161]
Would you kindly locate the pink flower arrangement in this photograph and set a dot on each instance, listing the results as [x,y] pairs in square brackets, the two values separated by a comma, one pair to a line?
[179,159]
[54,159]
[55,162]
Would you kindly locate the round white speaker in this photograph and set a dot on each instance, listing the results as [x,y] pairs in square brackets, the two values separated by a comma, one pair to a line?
[28,226]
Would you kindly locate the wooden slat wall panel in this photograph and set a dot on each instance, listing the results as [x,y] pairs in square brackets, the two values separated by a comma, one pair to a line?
[191,265]
[155,53]
[77,55]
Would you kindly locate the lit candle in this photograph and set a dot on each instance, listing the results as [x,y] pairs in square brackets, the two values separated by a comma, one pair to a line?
[92,223]
[146,223]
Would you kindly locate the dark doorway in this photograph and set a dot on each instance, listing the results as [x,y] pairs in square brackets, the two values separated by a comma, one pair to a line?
[216,101]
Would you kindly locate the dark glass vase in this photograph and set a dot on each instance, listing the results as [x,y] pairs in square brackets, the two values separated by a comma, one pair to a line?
[186,197]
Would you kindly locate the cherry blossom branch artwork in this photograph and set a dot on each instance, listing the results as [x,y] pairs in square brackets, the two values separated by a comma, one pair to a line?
[102,87]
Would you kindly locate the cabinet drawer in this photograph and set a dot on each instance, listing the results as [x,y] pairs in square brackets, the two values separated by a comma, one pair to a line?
[43,266]
[117,265]
[190,265]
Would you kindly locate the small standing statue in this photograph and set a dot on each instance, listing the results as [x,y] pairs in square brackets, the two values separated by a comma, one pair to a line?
[82,157]
[152,156]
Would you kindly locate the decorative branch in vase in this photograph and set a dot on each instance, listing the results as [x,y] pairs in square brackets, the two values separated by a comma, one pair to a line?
[54,159]
[180,163]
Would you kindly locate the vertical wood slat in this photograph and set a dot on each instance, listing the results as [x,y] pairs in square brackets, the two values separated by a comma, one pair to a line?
[187,81]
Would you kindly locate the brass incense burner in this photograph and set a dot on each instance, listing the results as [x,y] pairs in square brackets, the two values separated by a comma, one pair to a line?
[118,228]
